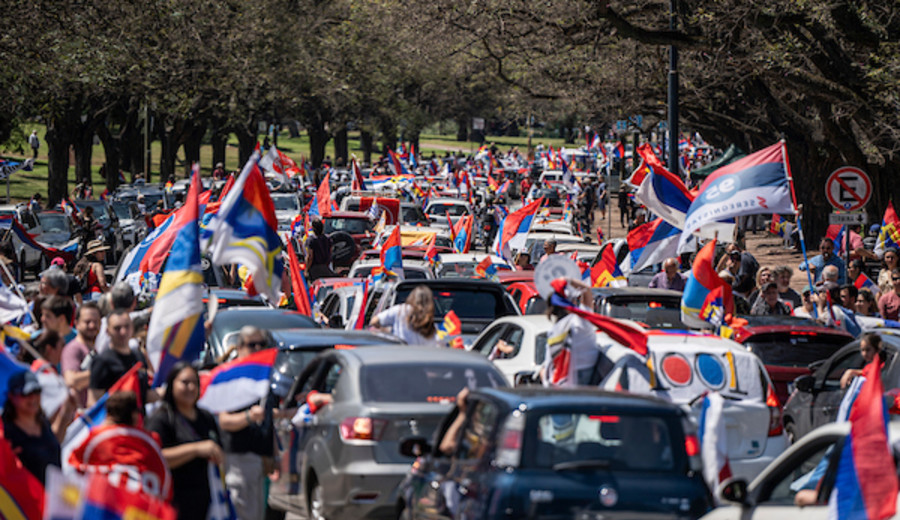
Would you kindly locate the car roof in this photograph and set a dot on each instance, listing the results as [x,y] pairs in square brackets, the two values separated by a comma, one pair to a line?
[397,355]
[291,339]
[748,332]
[540,399]
[447,200]
[634,291]
[677,339]
[470,257]
[453,283]
[348,214]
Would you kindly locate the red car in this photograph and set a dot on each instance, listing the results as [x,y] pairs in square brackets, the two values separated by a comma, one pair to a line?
[350,232]
[787,350]
[527,297]
[507,278]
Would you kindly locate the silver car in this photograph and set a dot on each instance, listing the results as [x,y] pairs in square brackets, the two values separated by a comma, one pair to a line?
[344,461]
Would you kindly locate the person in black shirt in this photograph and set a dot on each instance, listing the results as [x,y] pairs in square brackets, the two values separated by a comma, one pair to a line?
[25,426]
[110,365]
[190,440]
[319,253]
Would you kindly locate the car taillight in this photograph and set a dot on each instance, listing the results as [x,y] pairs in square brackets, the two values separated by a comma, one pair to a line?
[362,429]
[692,445]
[775,411]
[509,452]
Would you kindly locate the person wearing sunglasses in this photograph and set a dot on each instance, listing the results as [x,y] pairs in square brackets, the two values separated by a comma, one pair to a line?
[248,440]
[25,427]
[889,302]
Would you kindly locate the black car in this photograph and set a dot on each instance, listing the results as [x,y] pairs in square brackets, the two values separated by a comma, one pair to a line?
[817,397]
[573,453]
[656,308]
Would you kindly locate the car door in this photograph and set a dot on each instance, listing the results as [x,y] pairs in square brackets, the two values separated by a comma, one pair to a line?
[467,488]
[828,392]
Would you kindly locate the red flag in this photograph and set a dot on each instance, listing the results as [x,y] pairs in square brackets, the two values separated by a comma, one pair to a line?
[21,494]
[323,197]
[103,500]
[301,297]
[361,318]
[159,250]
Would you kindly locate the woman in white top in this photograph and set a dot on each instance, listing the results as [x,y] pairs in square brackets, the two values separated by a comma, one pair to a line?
[412,321]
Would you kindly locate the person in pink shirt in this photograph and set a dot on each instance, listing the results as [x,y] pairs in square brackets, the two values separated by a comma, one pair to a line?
[889,302]
[857,247]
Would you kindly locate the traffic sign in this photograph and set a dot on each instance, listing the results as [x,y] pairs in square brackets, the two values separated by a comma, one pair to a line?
[848,188]
[848,218]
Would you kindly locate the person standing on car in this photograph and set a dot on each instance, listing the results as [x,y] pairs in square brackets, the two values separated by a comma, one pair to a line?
[411,321]
[318,249]
[248,440]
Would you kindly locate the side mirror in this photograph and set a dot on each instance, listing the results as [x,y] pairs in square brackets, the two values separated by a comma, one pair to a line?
[336,322]
[414,446]
[734,490]
[525,378]
[805,383]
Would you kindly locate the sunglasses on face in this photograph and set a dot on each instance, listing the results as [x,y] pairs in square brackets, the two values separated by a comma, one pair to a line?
[255,344]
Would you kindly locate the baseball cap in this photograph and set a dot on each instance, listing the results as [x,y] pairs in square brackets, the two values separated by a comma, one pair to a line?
[23,383]
[58,261]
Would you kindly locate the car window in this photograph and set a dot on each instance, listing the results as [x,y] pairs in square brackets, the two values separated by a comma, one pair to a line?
[478,431]
[536,305]
[285,203]
[354,226]
[513,338]
[601,438]
[804,470]
[655,312]
[466,303]
[332,376]
[836,370]
[540,348]
[486,345]
[424,383]
[794,350]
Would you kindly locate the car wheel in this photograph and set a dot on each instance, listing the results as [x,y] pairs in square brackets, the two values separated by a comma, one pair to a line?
[316,501]
[43,265]
[790,432]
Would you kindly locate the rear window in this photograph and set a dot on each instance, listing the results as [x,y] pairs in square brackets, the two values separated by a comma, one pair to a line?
[354,226]
[469,304]
[454,210]
[603,440]
[791,350]
[423,383]
[656,313]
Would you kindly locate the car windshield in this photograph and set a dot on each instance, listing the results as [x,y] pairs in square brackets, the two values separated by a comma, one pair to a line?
[285,203]
[454,210]
[463,269]
[227,322]
[467,303]
[412,214]
[54,223]
[122,210]
[354,226]
[100,212]
[423,383]
[656,313]
[794,350]
[572,441]
[408,274]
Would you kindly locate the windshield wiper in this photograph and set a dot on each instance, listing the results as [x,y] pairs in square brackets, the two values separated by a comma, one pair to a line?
[581,464]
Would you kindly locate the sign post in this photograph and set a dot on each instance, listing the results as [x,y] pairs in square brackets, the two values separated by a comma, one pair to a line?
[848,189]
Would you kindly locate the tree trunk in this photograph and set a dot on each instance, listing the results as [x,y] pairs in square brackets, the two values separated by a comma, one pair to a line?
[388,135]
[318,139]
[192,142]
[219,144]
[462,128]
[111,148]
[365,142]
[57,138]
[341,148]
[246,136]
[84,150]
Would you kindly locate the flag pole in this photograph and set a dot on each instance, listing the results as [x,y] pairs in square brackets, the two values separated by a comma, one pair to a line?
[790,177]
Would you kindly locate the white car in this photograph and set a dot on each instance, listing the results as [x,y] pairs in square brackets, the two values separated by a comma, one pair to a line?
[463,265]
[683,366]
[438,209]
[771,494]
[584,252]
[526,339]
[334,312]
[287,207]
[534,243]
[412,269]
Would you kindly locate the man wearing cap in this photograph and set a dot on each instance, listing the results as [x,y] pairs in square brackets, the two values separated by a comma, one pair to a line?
[768,303]
[805,309]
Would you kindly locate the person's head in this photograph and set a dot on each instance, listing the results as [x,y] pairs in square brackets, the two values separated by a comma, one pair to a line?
[670,266]
[550,246]
[830,273]
[732,248]
[848,295]
[865,303]
[891,257]
[96,250]
[782,276]
[855,268]
[122,296]
[122,408]
[58,262]
[826,247]
[88,210]
[220,166]
[252,339]
[56,313]
[895,280]
[23,393]
[870,346]
[523,259]
[54,281]
[182,386]
[807,297]
[37,196]
[421,316]
[119,328]
[318,227]
[49,345]
[769,293]
[763,277]
[829,292]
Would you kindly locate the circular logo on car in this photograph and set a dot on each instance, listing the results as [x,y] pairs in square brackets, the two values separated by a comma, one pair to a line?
[608,496]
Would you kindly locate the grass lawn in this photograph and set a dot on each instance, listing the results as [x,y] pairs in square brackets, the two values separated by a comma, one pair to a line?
[22,185]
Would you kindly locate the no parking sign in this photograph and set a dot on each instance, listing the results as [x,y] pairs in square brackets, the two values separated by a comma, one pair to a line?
[848,188]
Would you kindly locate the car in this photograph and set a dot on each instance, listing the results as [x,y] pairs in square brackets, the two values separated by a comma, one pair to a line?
[350,233]
[110,229]
[412,269]
[418,235]
[320,288]
[817,397]
[771,494]
[463,265]
[133,225]
[507,278]
[227,323]
[583,252]
[335,309]
[345,461]
[26,256]
[655,308]
[527,298]
[526,338]
[477,303]
[287,207]
[788,350]
[558,453]
[439,208]
[411,214]
[152,194]
[534,243]
[57,231]
[683,366]
[298,347]
[363,201]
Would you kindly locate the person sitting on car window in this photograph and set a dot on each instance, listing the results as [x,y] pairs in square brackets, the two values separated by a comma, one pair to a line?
[411,321]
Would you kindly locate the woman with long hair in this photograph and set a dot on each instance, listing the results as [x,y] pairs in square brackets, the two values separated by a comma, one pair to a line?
[411,321]
[89,270]
[891,260]
[25,426]
[190,440]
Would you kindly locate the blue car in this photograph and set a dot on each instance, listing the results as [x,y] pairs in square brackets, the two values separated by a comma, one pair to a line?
[541,453]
